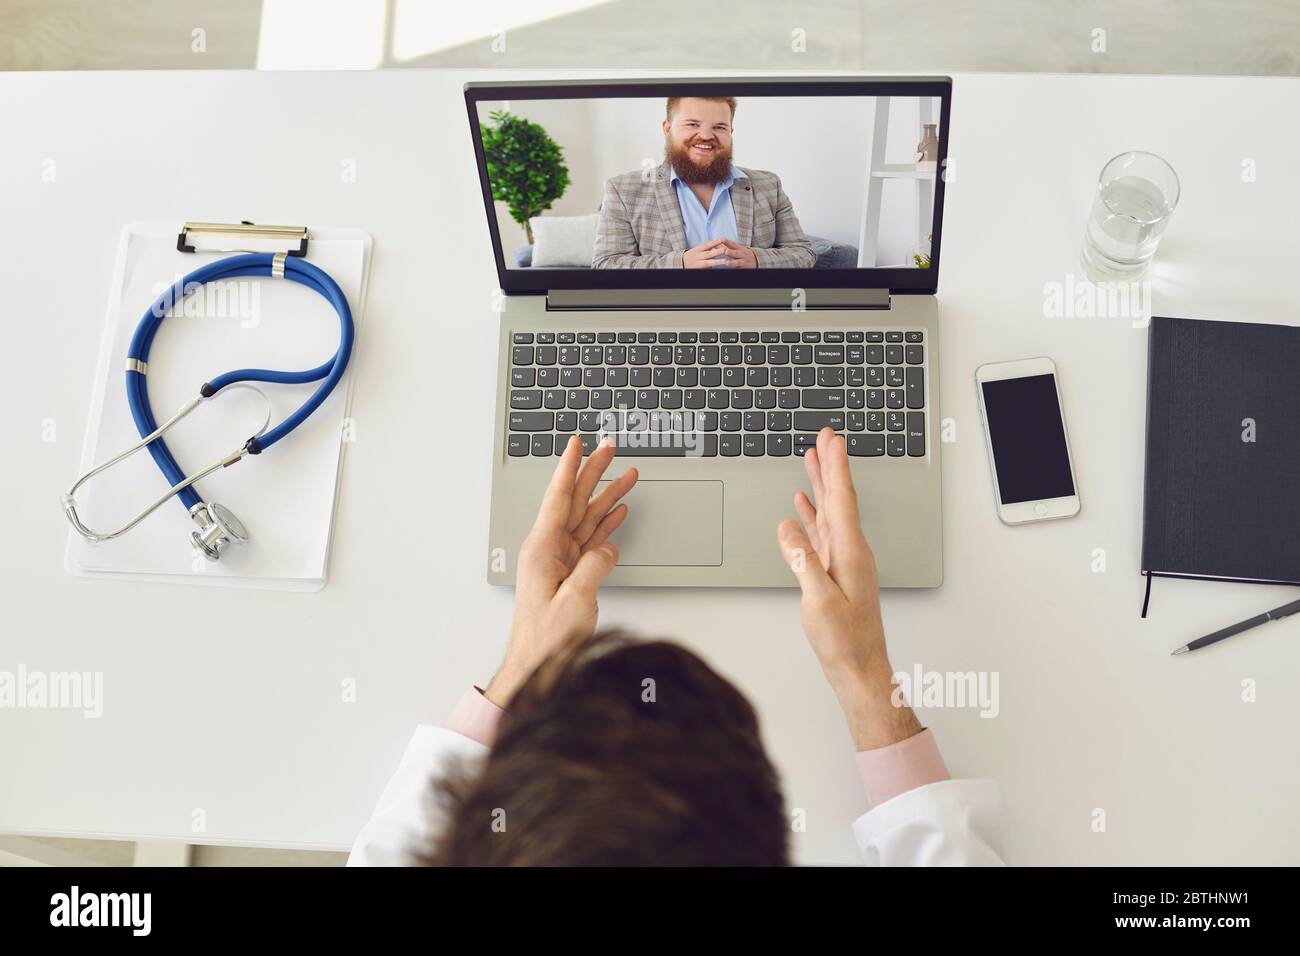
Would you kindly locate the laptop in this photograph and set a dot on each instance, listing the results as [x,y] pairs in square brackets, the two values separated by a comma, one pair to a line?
[710,271]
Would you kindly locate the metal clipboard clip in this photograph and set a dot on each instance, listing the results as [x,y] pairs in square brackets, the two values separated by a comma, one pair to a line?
[242,229]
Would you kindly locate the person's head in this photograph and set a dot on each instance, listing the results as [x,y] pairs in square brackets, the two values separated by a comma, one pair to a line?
[697,137]
[619,753]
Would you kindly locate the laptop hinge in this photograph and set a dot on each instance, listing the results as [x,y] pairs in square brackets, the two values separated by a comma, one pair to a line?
[657,300]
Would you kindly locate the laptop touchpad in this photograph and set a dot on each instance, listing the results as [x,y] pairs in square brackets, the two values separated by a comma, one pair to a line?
[671,523]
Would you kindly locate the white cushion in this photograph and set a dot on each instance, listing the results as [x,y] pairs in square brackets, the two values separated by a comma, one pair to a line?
[563,241]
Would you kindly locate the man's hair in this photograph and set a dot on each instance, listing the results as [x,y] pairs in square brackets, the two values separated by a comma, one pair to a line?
[674,100]
[619,753]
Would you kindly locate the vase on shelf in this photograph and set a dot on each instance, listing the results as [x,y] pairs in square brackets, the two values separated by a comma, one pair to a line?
[927,151]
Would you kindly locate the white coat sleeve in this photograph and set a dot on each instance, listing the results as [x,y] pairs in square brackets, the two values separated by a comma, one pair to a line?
[948,823]
[405,818]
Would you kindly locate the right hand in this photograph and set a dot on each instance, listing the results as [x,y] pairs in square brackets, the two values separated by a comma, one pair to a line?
[705,256]
[840,601]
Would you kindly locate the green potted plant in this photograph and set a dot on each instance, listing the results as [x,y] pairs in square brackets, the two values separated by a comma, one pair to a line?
[525,166]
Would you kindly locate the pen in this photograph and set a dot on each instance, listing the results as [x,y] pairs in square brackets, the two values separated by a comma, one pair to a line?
[1258,619]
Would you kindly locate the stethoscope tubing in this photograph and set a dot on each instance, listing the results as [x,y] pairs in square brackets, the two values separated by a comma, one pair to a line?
[328,373]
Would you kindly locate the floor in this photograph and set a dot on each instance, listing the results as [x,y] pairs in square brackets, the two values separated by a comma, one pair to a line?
[1255,37]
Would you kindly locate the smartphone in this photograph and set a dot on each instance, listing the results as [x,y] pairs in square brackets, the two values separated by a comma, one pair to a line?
[1029,450]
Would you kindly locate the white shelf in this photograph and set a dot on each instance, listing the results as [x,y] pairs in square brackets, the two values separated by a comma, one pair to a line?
[902,171]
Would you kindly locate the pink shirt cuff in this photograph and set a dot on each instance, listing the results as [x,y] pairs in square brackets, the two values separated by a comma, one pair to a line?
[475,717]
[888,771]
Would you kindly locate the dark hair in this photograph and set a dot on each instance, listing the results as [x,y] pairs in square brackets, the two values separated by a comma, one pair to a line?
[619,753]
[671,106]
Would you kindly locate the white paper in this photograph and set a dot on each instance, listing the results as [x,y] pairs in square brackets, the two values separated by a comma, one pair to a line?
[285,496]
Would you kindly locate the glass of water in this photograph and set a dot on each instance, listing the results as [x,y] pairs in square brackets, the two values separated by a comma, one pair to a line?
[1136,195]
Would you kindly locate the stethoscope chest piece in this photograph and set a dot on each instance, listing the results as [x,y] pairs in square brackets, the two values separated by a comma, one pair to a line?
[218,529]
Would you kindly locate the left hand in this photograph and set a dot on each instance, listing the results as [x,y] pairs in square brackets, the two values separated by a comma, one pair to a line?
[738,256]
[562,562]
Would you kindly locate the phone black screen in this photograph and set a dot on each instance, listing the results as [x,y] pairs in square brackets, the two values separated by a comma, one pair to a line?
[1029,451]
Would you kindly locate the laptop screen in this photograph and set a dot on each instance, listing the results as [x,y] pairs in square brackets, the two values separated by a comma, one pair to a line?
[659,184]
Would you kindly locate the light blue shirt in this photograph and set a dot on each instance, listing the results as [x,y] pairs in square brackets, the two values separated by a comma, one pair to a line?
[716,222]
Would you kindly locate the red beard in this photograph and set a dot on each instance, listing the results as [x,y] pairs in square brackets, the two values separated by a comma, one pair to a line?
[689,171]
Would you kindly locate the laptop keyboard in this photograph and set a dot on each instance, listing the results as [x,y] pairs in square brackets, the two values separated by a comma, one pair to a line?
[717,394]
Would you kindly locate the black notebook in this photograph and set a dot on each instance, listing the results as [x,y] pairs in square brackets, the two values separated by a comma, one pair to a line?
[1222,489]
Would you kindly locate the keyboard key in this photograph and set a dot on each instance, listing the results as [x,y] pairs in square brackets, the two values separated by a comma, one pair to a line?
[729,445]
[829,376]
[522,355]
[896,445]
[915,388]
[730,421]
[894,398]
[589,442]
[754,421]
[605,338]
[531,421]
[688,338]
[664,377]
[855,354]
[616,377]
[517,445]
[694,397]
[710,377]
[819,398]
[670,398]
[894,354]
[742,398]
[570,354]
[523,377]
[778,446]
[895,421]
[661,355]
[875,336]
[578,398]
[525,399]
[684,355]
[647,398]
[625,398]
[816,421]
[857,421]
[729,337]
[753,446]
[546,354]
[708,338]
[801,354]
[709,354]
[812,337]
[638,355]
[570,377]
[645,338]
[782,377]
[914,337]
[805,376]
[914,354]
[733,377]
[778,354]
[542,445]
[602,398]
[523,338]
[755,355]
[688,377]
[894,376]
[706,421]
[593,377]
[548,377]
[747,338]
[732,355]
[626,338]
[875,421]
[778,421]
[875,377]
[856,397]
[765,397]
[856,336]
[788,398]
[593,355]
[768,337]
[893,336]
[866,446]
[875,354]
[566,421]
[916,434]
[565,338]
[545,338]
[668,338]
[875,398]
[637,421]
[857,377]
[833,337]
[789,338]
[756,377]
[829,355]
[586,338]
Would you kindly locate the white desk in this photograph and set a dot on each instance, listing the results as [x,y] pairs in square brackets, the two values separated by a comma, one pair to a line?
[231,702]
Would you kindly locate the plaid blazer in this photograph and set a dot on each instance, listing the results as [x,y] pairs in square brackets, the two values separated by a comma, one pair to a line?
[640,224]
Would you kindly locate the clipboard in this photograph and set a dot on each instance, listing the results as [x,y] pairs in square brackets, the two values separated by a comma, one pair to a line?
[286,497]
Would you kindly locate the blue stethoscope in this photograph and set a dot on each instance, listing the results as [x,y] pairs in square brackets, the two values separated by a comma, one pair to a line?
[218,528]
